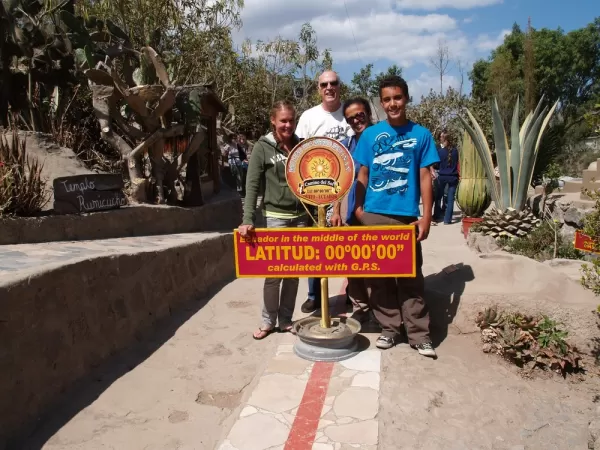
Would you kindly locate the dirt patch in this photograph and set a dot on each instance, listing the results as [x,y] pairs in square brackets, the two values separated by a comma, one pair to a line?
[473,400]
[178,416]
[227,400]
[239,304]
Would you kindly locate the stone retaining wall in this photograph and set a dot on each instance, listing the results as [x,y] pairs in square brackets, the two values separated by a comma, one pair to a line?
[565,209]
[223,212]
[56,326]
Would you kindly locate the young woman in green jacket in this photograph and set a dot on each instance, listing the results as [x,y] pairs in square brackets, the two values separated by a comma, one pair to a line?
[282,210]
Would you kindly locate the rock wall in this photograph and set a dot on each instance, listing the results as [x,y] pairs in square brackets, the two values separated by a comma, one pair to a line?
[566,209]
[223,212]
[58,325]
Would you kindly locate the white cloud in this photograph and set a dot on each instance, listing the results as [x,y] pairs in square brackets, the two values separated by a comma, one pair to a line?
[469,19]
[429,80]
[485,43]
[366,32]
[380,32]
[432,5]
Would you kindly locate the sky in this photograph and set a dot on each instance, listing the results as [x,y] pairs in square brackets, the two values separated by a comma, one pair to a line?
[408,32]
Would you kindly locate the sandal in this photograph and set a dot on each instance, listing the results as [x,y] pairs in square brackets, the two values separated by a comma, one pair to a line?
[261,333]
[288,329]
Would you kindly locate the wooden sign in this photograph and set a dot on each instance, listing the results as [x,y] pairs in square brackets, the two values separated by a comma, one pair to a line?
[584,243]
[88,193]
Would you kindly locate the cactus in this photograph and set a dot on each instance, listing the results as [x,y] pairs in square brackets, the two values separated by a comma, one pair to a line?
[36,57]
[472,196]
[515,165]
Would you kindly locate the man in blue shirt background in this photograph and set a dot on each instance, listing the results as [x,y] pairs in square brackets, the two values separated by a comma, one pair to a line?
[396,155]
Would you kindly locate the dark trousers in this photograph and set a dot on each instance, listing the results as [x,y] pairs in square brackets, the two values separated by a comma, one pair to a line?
[449,186]
[398,300]
[314,290]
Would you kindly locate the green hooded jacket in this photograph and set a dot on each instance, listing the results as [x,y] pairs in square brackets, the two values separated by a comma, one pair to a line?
[267,168]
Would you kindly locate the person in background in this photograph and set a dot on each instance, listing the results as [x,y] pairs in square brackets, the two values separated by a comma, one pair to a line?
[326,119]
[396,156]
[357,113]
[282,210]
[242,143]
[238,163]
[447,179]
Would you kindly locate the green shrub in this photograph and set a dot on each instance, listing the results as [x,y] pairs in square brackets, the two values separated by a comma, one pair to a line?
[22,190]
[527,341]
[590,274]
[540,244]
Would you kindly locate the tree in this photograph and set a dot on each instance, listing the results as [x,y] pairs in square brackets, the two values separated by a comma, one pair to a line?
[440,111]
[308,61]
[393,70]
[479,80]
[279,56]
[504,84]
[565,67]
[441,61]
[362,82]
[327,61]
[365,84]
[461,71]
[531,95]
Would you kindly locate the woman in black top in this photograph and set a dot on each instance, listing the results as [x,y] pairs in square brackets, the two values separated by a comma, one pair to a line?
[448,176]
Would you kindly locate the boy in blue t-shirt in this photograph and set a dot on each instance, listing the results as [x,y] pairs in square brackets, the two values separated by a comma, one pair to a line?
[396,155]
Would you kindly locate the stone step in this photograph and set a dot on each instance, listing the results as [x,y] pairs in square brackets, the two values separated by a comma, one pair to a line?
[589,176]
[572,186]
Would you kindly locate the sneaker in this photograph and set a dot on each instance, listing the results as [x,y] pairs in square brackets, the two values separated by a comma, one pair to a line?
[384,342]
[309,306]
[425,349]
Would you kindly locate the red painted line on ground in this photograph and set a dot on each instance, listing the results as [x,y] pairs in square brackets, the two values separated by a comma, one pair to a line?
[304,429]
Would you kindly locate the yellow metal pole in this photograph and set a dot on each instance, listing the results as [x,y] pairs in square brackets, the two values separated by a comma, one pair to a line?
[325,319]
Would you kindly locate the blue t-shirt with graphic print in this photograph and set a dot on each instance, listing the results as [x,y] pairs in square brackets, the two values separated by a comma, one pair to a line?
[394,156]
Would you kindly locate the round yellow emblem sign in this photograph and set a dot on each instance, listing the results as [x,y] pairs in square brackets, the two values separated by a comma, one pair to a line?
[319,170]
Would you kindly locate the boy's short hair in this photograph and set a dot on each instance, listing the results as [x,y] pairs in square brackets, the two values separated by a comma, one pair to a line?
[394,81]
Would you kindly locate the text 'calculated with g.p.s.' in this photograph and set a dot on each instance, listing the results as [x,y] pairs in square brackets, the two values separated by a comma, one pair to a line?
[329,252]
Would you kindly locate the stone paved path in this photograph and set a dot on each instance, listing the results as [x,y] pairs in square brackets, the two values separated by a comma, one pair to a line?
[209,385]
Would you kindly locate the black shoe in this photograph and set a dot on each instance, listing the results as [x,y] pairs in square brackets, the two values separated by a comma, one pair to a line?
[309,306]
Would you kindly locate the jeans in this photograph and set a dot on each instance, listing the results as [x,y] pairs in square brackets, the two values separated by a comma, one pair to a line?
[314,290]
[279,305]
[239,171]
[439,195]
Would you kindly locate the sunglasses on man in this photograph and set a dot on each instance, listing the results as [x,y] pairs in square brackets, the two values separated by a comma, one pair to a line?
[333,83]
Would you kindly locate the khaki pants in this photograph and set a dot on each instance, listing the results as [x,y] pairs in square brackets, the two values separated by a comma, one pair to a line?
[398,300]
[280,293]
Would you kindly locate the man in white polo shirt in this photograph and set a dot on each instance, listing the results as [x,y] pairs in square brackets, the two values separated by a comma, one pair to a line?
[326,119]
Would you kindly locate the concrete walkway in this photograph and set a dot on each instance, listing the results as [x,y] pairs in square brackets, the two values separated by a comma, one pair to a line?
[211,386]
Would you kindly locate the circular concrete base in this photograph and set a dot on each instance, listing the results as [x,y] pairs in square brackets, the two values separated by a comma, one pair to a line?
[336,343]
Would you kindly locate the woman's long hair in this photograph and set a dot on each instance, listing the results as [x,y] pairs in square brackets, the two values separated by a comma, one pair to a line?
[449,145]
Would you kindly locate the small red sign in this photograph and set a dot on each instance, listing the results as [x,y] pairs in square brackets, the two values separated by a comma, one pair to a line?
[584,243]
[326,252]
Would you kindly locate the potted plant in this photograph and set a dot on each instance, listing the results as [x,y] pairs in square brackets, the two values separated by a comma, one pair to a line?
[472,195]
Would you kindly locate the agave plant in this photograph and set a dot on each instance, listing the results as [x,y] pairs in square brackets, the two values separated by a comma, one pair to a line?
[472,195]
[515,166]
